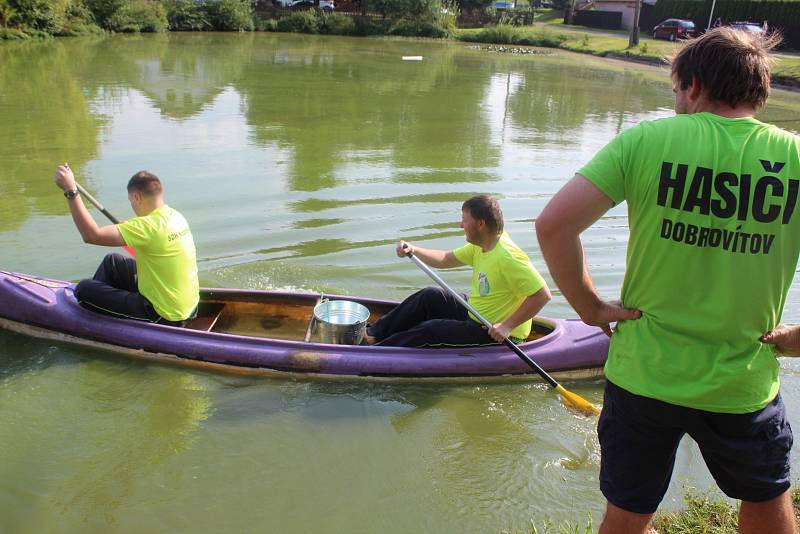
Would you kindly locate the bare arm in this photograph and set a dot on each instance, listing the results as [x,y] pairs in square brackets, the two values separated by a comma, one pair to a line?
[441,259]
[527,310]
[571,211]
[91,233]
[786,339]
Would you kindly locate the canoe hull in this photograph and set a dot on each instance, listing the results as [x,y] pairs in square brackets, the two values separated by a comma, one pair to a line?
[46,308]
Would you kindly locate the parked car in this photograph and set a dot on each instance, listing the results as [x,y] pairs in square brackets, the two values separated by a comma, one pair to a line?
[750,27]
[673,29]
[325,5]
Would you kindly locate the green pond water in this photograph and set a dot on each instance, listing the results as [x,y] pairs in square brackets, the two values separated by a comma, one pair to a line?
[299,161]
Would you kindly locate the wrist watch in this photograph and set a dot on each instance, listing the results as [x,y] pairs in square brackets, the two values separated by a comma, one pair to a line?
[71,193]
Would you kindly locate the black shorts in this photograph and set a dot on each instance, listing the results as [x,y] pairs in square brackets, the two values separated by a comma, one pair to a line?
[747,454]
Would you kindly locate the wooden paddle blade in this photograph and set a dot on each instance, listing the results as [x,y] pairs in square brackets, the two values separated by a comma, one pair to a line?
[573,400]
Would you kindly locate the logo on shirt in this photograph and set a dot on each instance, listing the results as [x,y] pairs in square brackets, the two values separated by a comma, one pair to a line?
[483,284]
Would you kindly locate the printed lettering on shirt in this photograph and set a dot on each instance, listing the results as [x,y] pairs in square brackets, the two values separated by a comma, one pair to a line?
[175,235]
[725,195]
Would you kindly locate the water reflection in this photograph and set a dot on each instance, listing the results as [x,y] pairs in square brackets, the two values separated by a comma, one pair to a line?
[87,450]
[45,118]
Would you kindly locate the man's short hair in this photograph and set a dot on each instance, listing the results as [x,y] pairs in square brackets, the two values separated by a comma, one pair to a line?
[485,208]
[731,66]
[146,183]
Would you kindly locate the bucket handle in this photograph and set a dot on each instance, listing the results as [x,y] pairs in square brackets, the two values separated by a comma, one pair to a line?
[312,322]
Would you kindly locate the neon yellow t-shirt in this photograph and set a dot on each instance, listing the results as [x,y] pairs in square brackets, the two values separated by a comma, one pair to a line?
[713,247]
[501,279]
[166,262]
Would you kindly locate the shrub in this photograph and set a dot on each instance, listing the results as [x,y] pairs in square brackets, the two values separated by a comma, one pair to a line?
[500,34]
[229,15]
[41,15]
[35,17]
[367,26]
[78,20]
[417,27]
[14,34]
[300,22]
[138,16]
[336,24]
[103,10]
[266,25]
[186,15]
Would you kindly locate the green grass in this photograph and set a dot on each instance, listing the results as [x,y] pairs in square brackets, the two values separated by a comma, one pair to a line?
[704,513]
[603,43]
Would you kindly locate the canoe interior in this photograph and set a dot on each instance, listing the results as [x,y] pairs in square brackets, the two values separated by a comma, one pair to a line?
[284,316]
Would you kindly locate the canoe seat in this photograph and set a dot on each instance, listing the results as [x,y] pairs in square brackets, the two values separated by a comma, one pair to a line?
[207,315]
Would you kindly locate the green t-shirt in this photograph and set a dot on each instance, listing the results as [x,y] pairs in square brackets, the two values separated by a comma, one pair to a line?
[712,252]
[501,279]
[166,262]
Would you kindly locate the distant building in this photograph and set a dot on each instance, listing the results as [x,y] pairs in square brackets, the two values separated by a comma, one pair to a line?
[626,7]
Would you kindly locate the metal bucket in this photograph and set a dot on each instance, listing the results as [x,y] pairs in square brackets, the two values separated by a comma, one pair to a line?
[341,322]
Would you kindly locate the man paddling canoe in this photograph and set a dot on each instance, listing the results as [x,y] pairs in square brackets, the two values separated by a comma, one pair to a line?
[161,284]
[714,240]
[506,289]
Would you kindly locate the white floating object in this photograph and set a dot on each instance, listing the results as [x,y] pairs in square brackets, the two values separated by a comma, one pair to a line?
[412,58]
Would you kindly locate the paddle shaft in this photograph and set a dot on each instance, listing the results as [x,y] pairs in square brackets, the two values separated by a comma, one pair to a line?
[507,342]
[96,203]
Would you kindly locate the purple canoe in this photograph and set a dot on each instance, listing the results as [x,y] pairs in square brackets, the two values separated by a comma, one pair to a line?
[270,332]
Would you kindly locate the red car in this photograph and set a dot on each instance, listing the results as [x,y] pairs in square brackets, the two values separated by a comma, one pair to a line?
[674,29]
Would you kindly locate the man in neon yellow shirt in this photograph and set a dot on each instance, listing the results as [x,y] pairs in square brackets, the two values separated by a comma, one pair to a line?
[161,284]
[714,240]
[506,289]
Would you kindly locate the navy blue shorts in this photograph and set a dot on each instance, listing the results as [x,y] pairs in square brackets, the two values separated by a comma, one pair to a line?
[747,454]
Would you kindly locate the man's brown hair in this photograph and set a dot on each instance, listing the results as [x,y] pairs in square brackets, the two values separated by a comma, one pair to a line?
[146,183]
[485,208]
[731,66]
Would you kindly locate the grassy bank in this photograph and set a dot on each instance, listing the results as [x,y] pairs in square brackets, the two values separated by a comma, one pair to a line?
[703,513]
[614,44]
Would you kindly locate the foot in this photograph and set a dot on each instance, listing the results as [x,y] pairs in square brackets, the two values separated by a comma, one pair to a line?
[368,340]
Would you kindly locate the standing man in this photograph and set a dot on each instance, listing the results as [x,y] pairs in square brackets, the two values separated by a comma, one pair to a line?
[161,284]
[506,289]
[714,239]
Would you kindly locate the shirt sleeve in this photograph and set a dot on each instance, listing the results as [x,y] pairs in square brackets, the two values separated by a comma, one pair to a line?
[606,168]
[136,232]
[465,253]
[524,278]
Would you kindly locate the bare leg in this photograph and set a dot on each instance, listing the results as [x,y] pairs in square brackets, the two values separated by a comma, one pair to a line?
[774,516]
[619,521]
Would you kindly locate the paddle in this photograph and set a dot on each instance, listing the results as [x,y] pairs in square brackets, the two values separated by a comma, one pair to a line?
[573,400]
[104,211]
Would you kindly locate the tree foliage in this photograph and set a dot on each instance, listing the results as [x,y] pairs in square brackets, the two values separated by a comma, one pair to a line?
[186,15]
[229,15]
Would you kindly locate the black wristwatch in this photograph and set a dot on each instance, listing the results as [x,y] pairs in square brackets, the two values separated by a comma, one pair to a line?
[71,193]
